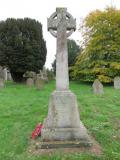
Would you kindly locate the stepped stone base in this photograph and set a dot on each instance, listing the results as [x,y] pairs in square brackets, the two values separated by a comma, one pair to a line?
[63,121]
[63,134]
[63,144]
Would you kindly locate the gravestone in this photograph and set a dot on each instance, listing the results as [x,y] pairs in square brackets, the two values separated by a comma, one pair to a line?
[3,73]
[39,83]
[9,77]
[43,75]
[63,122]
[1,83]
[30,82]
[97,87]
[117,82]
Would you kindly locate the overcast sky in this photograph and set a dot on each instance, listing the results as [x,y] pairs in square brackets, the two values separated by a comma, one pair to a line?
[42,9]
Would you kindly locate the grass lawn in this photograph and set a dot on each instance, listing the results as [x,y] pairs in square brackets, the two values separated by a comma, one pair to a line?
[21,108]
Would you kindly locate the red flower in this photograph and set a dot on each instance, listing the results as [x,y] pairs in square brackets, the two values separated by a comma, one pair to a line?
[37,131]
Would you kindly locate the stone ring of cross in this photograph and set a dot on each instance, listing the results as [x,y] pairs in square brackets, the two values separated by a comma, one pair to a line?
[61,15]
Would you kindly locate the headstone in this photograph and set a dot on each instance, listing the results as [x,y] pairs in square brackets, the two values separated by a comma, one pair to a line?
[3,73]
[39,83]
[117,82]
[30,74]
[1,83]
[30,82]
[43,75]
[97,87]
[9,77]
[63,121]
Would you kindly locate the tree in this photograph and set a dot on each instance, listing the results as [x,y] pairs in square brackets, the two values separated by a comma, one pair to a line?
[54,66]
[101,55]
[22,47]
[73,51]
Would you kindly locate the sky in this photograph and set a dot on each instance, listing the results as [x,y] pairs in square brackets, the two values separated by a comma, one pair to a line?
[42,9]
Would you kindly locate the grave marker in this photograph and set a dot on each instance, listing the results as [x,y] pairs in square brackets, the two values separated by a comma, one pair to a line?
[63,121]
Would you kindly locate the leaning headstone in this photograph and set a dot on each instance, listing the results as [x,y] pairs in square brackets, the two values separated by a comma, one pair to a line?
[1,83]
[117,82]
[39,83]
[30,82]
[63,122]
[97,87]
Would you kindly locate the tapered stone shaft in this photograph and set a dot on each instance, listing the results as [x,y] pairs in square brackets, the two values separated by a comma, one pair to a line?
[62,78]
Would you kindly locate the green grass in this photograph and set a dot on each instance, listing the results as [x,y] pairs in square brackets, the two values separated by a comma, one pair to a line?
[21,108]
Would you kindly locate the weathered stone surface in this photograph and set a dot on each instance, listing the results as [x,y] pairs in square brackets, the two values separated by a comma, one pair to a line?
[61,21]
[43,75]
[63,144]
[39,83]
[9,77]
[117,82]
[63,121]
[30,82]
[1,83]
[98,87]
[39,147]
[3,73]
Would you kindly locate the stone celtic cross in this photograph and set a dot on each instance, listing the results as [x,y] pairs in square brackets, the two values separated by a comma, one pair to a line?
[61,25]
[63,122]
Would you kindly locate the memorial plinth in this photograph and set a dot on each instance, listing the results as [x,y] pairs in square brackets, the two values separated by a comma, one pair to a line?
[63,121]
